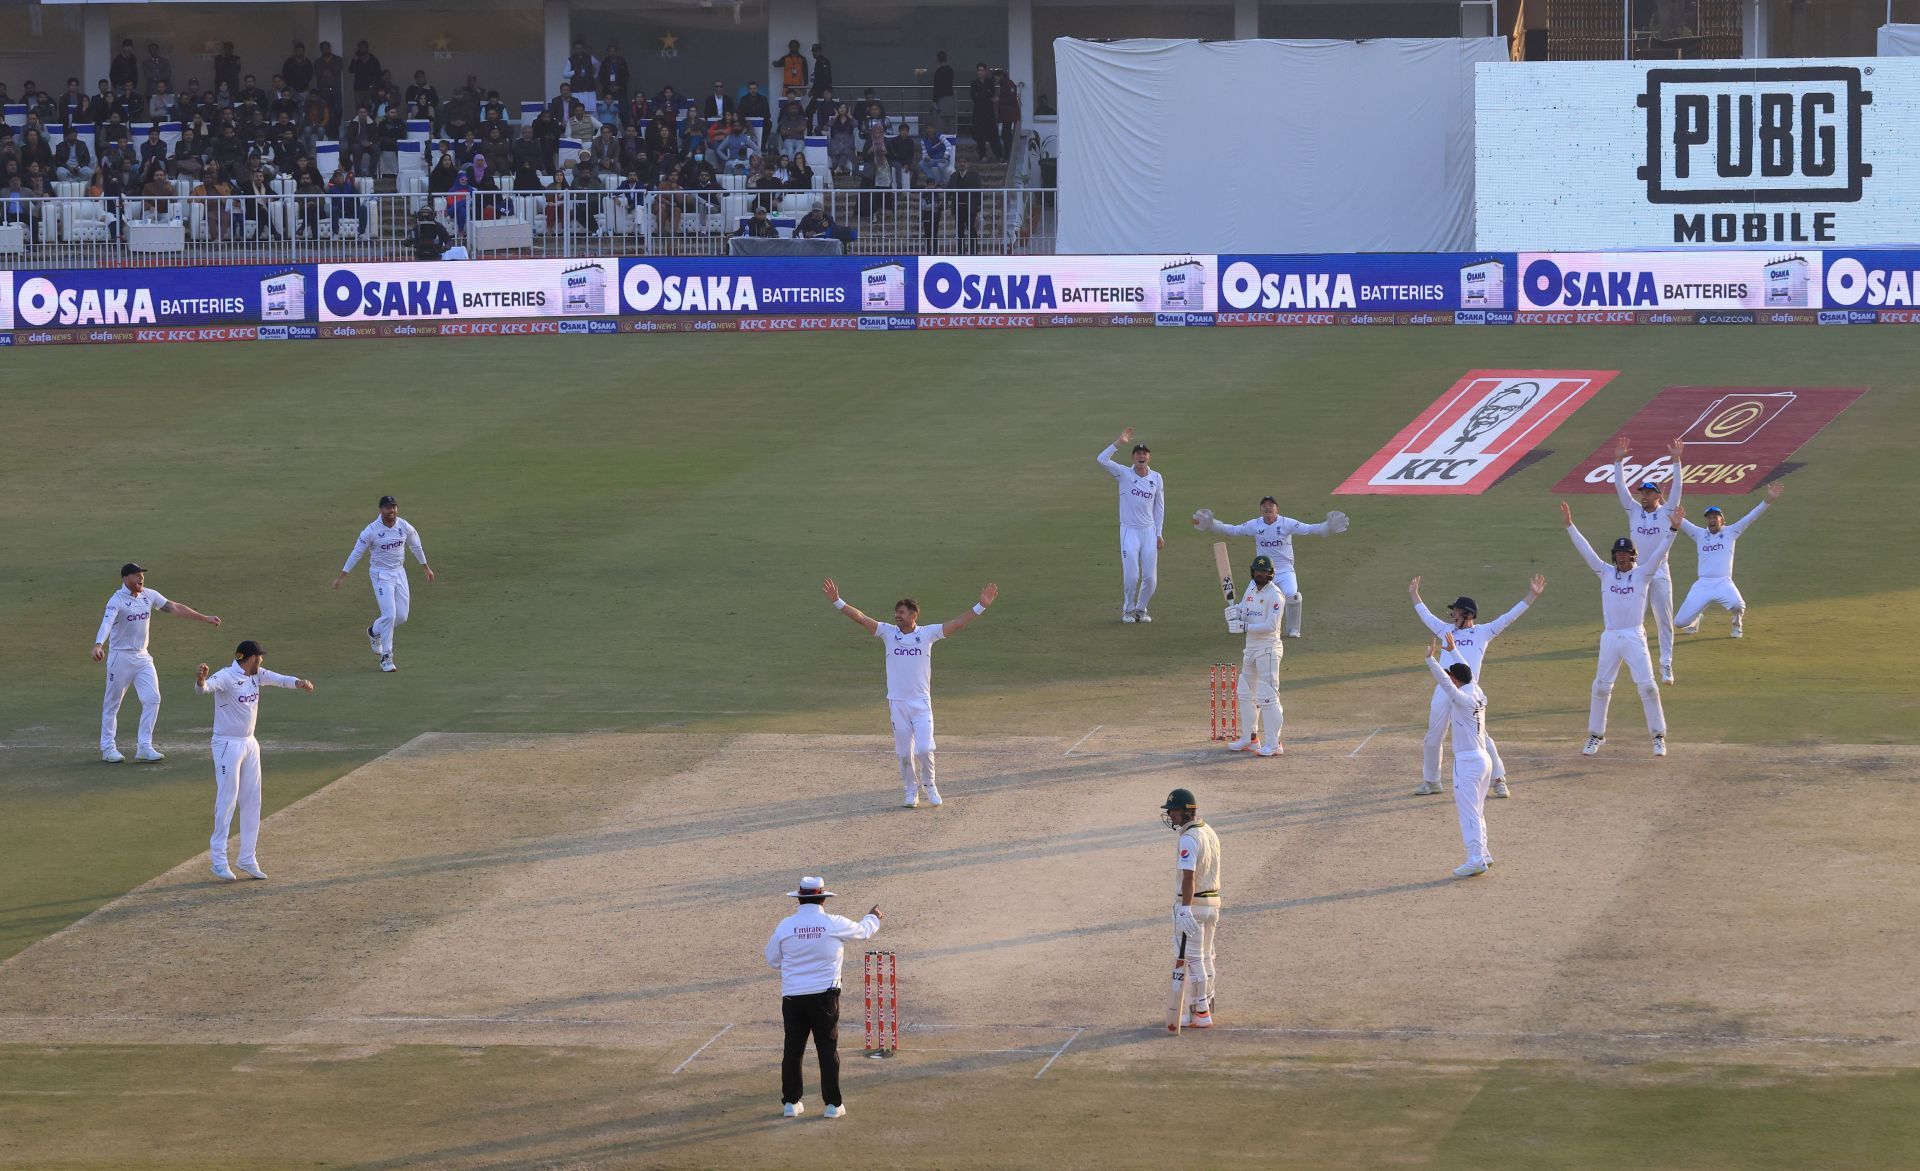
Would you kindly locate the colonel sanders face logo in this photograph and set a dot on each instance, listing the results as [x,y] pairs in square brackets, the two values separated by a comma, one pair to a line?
[1505,403]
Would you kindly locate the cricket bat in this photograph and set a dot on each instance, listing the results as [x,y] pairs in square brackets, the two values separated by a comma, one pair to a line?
[1225,567]
[1177,992]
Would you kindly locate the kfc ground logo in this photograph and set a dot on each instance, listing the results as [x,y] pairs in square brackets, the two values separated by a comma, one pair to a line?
[1471,435]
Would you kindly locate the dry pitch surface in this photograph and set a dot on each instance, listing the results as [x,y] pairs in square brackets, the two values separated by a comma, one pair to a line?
[1730,904]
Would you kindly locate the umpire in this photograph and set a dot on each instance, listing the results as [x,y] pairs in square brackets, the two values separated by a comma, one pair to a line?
[806,947]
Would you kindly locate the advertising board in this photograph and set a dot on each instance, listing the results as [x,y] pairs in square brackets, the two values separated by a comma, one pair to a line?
[990,285]
[1440,282]
[802,285]
[1591,155]
[468,289]
[82,298]
[1579,282]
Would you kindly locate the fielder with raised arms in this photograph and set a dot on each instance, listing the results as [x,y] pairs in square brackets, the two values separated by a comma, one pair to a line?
[1715,583]
[1467,643]
[236,754]
[1257,615]
[1467,712]
[385,542]
[1143,514]
[910,682]
[121,643]
[1273,538]
[1649,517]
[1623,607]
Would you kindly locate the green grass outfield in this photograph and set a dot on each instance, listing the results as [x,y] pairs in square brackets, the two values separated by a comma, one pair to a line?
[630,534]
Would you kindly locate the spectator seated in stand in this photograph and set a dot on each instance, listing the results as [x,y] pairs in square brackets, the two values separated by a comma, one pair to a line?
[936,161]
[430,237]
[759,226]
[818,223]
[738,151]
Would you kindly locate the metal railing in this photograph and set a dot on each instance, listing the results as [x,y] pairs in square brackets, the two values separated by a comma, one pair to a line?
[100,232]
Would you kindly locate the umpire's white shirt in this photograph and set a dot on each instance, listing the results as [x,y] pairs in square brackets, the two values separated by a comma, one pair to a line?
[807,948]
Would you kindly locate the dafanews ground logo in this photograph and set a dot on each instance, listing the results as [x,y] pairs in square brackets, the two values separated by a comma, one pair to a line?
[1474,433]
[1736,436]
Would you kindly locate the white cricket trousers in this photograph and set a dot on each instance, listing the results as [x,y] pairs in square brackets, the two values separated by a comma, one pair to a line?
[913,744]
[1439,711]
[1259,692]
[236,780]
[1139,568]
[1660,601]
[1706,592]
[391,592]
[1472,775]
[1628,647]
[1200,976]
[130,669]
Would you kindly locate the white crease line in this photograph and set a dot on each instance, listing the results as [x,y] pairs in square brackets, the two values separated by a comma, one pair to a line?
[1059,1051]
[1083,740]
[634,711]
[702,1049]
[1363,743]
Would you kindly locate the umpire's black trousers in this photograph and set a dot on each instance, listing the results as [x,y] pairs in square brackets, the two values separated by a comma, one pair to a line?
[816,1014]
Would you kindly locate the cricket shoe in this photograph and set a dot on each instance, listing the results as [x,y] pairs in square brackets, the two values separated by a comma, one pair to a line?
[1428,788]
[1659,745]
[932,794]
[1500,788]
[1128,617]
[1278,749]
[1690,628]
[793,1109]
[1292,634]
[1239,745]
[373,640]
[835,1112]
[1666,672]
[1469,869]
[149,753]
[387,664]
[221,872]
[1593,745]
[1201,1020]
[1735,632]
[911,801]
[1142,616]
[111,755]
[251,869]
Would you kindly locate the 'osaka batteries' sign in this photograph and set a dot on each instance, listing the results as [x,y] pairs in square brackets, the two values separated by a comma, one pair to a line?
[1610,155]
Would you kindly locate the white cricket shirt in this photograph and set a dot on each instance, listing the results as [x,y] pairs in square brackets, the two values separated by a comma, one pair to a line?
[909,659]
[1469,643]
[123,628]
[236,698]
[1261,608]
[806,947]
[385,547]
[1143,499]
[1648,525]
[1274,540]
[1466,711]
[1716,549]
[1623,596]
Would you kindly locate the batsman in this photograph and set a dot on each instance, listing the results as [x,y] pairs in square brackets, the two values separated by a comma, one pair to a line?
[1196,912]
[1258,615]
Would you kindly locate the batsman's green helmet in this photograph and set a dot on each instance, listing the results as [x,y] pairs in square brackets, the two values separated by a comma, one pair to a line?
[1261,562]
[1181,799]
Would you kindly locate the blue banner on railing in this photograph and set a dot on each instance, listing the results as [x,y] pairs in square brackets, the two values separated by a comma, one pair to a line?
[81,298]
[1873,280]
[768,285]
[1373,283]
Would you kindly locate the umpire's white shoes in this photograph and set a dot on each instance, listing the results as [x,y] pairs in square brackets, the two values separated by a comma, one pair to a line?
[221,872]
[373,640]
[250,869]
[1500,788]
[794,1109]
[149,753]
[1660,745]
[386,663]
[1593,745]
[1666,672]
[1469,869]
[111,755]
[836,1112]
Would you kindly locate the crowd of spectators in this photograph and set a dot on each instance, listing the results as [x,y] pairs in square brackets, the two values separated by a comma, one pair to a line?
[237,137]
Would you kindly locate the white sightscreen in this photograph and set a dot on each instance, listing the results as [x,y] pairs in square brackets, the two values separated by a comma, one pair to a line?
[1268,146]
[1899,40]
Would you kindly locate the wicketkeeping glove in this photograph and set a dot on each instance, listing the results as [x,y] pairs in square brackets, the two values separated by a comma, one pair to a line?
[1203,518]
[1336,522]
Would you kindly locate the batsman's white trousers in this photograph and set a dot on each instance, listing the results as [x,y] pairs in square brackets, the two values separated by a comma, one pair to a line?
[1706,592]
[1438,710]
[1660,601]
[390,590]
[1200,985]
[1139,567]
[912,726]
[130,669]
[1259,691]
[1472,775]
[1628,647]
[236,780]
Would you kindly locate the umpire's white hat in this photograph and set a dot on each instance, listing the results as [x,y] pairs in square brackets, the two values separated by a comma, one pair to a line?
[811,888]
